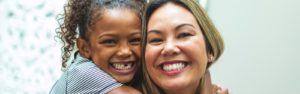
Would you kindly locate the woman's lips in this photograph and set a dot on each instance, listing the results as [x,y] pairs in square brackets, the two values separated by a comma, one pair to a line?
[173,68]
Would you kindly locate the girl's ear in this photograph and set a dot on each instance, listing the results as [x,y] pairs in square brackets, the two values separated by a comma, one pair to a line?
[83,47]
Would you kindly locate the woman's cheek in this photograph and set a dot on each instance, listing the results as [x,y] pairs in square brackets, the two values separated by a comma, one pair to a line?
[151,54]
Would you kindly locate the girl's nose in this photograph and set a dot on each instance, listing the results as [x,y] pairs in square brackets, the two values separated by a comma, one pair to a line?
[124,51]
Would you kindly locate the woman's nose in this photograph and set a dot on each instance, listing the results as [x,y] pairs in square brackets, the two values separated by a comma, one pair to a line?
[170,49]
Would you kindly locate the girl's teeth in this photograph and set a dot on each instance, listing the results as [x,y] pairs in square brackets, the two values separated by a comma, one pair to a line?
[122,66]
[172,67]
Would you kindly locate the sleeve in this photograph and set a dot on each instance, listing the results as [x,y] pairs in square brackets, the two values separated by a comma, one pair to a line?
[90,79]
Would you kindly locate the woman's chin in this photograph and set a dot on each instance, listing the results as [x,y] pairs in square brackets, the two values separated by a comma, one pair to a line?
[174,85]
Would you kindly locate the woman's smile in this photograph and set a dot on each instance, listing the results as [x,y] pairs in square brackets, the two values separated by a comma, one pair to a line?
[173,68]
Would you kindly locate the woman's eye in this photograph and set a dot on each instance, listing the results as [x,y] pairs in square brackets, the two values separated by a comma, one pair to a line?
[108,42]
[135,41]
[155,41]
[183,35]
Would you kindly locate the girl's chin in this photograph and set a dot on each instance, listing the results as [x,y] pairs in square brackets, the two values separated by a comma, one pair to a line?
[124,79]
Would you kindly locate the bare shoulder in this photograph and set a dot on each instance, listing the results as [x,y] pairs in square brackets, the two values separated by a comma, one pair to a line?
[124,90]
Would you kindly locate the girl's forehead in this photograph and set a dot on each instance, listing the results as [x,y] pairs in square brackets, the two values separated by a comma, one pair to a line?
[118,13]
[117,18]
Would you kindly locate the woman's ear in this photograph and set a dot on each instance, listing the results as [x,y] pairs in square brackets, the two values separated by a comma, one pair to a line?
[83,47]
[210,57]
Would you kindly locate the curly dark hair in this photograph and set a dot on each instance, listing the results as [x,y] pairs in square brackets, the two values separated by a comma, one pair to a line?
[80,15]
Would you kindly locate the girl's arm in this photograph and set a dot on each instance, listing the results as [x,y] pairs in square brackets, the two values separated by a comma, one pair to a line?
[124,90]
[210,88]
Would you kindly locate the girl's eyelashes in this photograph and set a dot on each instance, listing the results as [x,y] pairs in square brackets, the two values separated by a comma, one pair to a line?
[109,42]
[135,41]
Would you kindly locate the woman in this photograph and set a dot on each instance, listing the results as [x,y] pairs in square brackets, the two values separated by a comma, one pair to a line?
[180,44]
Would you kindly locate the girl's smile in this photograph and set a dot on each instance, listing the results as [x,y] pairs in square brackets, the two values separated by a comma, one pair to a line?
[114,43]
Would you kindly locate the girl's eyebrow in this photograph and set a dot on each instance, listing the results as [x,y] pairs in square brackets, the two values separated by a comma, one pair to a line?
[135,33]
[106,34]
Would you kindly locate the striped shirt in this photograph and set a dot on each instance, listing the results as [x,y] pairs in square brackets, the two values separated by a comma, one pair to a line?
[83,76]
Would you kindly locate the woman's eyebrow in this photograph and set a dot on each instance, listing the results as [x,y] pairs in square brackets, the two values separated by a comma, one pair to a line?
[154,31]
[182,25]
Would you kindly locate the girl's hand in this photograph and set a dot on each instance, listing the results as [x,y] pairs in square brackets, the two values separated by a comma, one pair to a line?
[218,89]
[124,90]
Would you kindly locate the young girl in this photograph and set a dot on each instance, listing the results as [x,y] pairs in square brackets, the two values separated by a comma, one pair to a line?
[107,34]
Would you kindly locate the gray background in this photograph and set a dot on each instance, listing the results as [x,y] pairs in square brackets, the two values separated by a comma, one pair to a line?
[262,45]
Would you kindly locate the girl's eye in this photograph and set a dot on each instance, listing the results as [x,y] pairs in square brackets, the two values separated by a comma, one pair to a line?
[184,35]
[108,42]
[135,41]
[155,41]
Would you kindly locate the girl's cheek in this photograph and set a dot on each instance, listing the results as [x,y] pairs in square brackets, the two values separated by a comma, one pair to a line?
[137,51]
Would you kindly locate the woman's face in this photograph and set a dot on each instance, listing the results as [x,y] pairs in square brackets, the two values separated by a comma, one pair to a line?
[176,56]
[114,43]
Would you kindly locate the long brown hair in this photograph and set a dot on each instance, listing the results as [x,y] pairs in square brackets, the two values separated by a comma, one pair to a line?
[213,39]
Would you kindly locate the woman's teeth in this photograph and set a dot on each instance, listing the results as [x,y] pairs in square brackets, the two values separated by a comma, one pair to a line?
[172,67]
[122,66]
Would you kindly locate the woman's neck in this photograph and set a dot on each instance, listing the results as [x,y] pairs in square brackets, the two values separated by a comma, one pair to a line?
[182,91]
[205,89]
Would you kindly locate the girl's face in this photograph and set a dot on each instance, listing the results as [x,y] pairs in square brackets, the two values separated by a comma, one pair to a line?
[176,56]
[114,43]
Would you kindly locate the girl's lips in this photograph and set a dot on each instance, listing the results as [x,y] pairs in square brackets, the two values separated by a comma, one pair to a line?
[123,68]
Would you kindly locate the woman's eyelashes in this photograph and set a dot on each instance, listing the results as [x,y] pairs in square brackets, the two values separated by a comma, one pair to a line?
[184,35]
[158,40]
[155,41]
[185,31]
